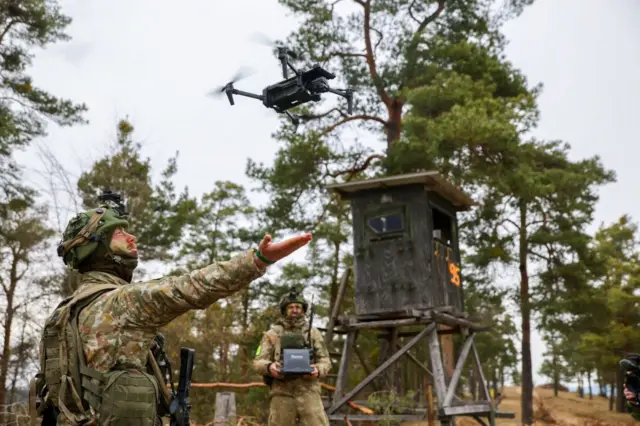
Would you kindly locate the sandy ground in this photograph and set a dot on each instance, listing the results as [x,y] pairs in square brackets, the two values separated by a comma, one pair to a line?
[568,409]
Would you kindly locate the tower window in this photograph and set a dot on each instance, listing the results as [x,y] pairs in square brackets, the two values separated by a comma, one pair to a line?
[390,224]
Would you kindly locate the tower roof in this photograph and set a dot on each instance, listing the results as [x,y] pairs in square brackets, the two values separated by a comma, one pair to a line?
[432,181]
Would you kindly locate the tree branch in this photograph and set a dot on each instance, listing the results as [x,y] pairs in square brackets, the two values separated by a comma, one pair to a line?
[540,256]
[352,118]
[333,5]
[413,46]
[511,222]
[7,28]
[379,40]
[320,217]
[31,300]
[371,62]
[357,169]
[426,21]
[411,12]
[18,101]
[345,55]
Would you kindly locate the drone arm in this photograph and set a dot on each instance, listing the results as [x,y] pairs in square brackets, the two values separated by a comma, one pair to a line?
[231,91]
[247,94]
[283,57]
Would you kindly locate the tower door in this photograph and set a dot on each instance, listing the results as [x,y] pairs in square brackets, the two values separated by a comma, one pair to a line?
[386,250]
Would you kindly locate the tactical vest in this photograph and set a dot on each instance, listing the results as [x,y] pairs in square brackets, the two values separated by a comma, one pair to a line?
[120,397]
[294,342]
[277,348]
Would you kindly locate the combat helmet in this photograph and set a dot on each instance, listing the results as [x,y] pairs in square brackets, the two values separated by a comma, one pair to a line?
[88,229]
[293,297]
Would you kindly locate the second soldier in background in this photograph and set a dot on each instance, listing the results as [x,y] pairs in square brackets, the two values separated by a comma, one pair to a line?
[297,398]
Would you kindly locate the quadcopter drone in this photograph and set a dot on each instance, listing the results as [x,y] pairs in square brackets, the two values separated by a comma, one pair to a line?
[304,87]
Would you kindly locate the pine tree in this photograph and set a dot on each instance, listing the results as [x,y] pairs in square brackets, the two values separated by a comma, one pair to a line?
[537,207]
[26,26]
[157,215]
[23,239]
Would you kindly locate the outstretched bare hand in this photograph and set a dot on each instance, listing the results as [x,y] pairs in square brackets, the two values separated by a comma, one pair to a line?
[276,251]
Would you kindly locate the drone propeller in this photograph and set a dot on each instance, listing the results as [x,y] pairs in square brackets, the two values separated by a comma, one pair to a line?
[261,38]
[241,74]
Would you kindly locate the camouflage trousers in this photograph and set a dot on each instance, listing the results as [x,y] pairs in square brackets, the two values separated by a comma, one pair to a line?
[303,408]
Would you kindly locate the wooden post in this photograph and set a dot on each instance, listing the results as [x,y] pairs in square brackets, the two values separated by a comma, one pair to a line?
[328,337]
[225,408]
[393,373]
[448,353]
[429,329]
[343,371]
[429,394]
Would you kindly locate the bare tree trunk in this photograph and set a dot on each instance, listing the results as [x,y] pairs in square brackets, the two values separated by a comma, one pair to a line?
[612,387]
[556,376]
[8,326]
[394,125]
[621,405]
[21,359]
[589,383]
[602,387]
[224,356]
[527,377]
[245,332]
[581,390]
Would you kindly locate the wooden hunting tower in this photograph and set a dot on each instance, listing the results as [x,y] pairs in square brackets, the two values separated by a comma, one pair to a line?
[405,238]
[407,274]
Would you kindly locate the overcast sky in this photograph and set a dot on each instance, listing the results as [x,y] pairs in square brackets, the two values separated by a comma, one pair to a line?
[155,60]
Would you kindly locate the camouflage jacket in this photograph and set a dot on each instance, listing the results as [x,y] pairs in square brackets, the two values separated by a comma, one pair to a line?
[268,353]
[119,326]
[634,410]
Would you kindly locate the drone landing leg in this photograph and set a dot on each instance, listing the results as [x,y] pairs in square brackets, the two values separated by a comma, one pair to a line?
[348,95]
[294,119]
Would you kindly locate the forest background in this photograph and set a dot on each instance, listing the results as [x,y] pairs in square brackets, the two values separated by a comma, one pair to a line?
[454,86]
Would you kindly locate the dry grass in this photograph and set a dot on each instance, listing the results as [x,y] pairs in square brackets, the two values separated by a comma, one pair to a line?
[566,410]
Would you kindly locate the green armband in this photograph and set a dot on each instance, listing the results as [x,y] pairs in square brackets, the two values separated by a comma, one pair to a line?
[261,257]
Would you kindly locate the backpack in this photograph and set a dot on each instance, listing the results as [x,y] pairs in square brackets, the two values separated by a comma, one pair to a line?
[65,380]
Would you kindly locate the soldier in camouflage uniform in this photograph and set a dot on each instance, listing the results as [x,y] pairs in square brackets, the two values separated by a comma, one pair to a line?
[96,363]
[296,398]
[633,405]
